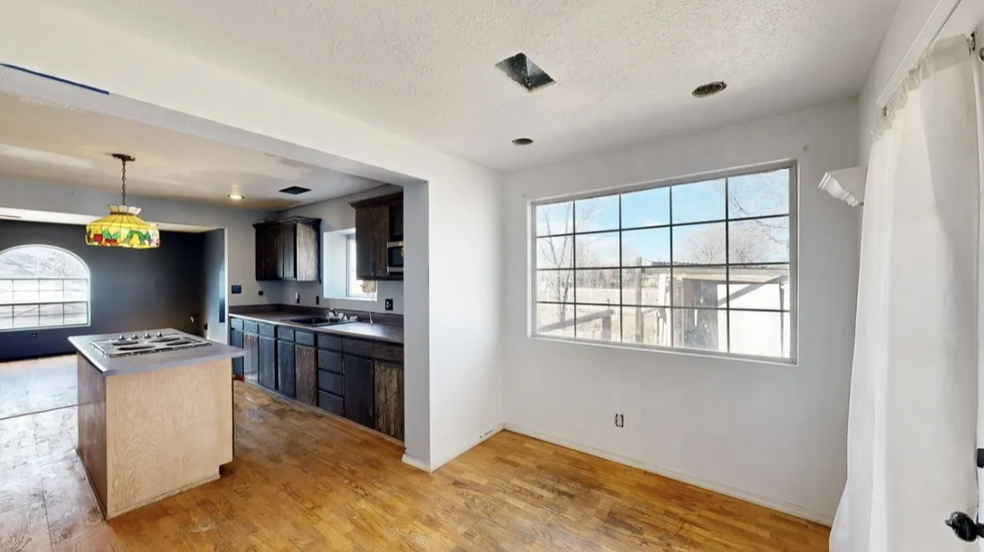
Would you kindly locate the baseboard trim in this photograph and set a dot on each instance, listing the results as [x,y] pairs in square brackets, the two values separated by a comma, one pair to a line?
[445,458]
[420,465]
[791,509]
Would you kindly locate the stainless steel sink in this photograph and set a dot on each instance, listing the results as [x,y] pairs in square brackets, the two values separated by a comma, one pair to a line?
[319,322]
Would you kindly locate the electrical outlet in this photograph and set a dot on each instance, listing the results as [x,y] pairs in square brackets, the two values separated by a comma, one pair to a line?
[619,420]
[317,299]
[388,304]
[297,297]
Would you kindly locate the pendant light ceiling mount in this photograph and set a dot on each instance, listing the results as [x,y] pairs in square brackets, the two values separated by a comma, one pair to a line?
[122,227]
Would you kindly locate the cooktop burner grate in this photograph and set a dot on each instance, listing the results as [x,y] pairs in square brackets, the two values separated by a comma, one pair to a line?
[148,344]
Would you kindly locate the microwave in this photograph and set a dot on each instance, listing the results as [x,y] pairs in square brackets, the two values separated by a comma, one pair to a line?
[394,257]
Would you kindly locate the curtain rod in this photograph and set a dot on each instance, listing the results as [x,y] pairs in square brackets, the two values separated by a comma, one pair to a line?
[930,32]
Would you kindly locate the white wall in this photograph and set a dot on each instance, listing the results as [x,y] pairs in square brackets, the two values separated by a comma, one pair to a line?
[459,198]
[771,433]
[43,196]
[216,286]
[335,214]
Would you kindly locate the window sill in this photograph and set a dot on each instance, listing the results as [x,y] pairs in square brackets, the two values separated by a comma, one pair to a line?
[673,351]
[362,299]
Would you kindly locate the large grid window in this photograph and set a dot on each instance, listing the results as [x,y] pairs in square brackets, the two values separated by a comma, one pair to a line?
[706,265]
[42,287]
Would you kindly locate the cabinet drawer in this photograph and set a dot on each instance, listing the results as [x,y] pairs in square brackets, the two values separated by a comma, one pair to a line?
[330,381]
[250,327]
[237,323]
[328,341]
[285,334]
[389,352]
[304,338]
[267,329]
[357,347]
[330,360]
[331,403]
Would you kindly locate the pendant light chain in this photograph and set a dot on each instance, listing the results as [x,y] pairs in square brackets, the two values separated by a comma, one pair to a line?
[124,181]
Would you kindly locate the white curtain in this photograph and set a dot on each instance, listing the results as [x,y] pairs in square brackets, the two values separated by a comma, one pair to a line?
[913,412]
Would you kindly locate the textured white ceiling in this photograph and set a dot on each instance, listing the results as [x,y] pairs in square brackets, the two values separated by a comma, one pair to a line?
[625,68]
[40,141]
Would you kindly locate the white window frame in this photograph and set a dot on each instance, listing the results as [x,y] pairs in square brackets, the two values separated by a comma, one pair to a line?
[349,269]
[39,303]
[793,167]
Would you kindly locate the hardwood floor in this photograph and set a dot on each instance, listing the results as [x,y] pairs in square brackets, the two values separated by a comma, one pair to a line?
[308,482]
[29,386]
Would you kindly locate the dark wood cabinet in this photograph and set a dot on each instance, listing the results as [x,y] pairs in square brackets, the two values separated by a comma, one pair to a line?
[306,374]
[359,379]
[251,362]
[236,340]
[286,378]
[359,397]
[288,249]
[378,221]
[388,388]
[267,362]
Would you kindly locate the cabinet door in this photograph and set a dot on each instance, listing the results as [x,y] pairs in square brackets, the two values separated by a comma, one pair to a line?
[308,252]
[251,362]
[364,242]
[288,247]
[268,362]
[359,398]
[396,222]
[381,236]
[286,379]
[236,340]
[306,374]
[389,399]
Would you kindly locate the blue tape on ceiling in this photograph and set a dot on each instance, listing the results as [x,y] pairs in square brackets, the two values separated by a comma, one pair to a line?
[56,79]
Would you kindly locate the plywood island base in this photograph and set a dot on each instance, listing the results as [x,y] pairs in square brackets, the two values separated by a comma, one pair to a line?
[149,435]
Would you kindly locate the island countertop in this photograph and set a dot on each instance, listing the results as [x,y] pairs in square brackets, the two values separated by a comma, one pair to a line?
[149,362]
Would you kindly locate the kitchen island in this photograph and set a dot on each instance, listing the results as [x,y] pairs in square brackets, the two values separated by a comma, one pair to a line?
[154,414]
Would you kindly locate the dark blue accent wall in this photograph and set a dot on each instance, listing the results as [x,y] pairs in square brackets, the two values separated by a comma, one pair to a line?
[129,290]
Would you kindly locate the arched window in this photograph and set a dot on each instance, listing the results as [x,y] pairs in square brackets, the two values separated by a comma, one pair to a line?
[42,287]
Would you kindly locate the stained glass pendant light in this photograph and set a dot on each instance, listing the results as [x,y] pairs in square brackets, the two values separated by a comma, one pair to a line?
[122,227]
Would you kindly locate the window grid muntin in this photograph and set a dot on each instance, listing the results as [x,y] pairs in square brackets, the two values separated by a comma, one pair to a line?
[788,298]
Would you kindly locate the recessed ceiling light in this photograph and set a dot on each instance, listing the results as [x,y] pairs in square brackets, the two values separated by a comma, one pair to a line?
[709,89]
[235,197]
[522,141]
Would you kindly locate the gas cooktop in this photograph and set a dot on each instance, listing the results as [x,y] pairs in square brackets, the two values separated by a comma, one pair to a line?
[145,344]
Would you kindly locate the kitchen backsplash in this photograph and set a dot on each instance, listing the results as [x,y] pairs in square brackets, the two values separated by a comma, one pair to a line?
[284,293]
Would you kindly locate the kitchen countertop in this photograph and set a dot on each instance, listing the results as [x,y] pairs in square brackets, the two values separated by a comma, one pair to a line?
[149,362]
[380,332]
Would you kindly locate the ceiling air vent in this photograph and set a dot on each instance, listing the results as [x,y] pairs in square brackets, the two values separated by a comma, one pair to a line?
[522,70]
[295,190]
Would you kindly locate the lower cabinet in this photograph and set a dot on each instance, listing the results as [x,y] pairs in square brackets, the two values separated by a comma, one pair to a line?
[286,377]
[268,362]
[389,399]
[236,340]
[306,374]
[251,362]
[359,397]
[331,403]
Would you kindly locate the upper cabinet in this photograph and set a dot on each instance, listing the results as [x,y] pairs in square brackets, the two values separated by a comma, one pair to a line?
[288,249]
[378,223]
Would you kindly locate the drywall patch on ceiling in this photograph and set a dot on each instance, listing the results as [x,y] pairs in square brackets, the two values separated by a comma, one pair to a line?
[426,70]
[41,140]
